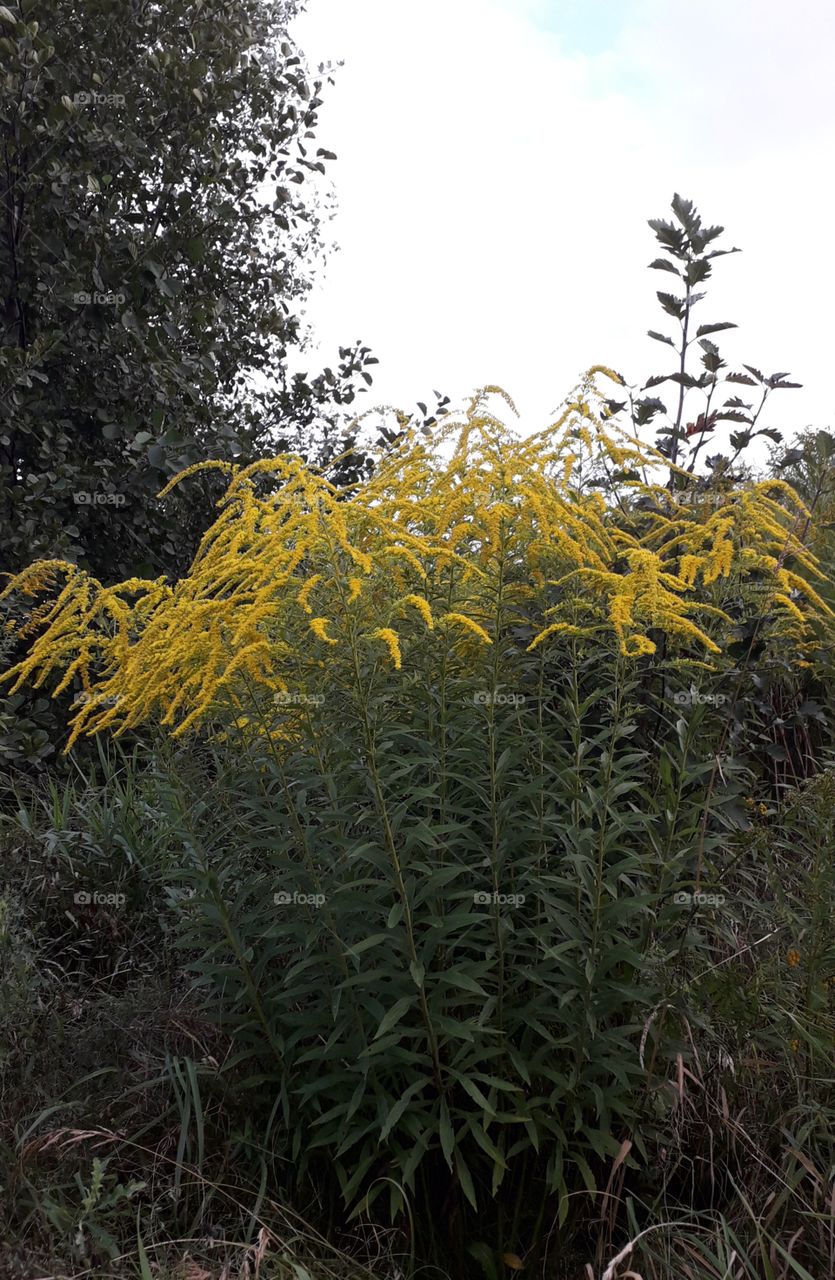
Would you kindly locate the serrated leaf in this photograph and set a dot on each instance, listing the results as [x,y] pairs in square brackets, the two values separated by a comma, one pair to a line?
[660,337]
[664,264]
[704,329]
[733,415]
[672,305]
[685,211]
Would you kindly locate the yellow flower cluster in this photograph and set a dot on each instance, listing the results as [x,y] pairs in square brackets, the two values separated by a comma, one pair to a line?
[460,539]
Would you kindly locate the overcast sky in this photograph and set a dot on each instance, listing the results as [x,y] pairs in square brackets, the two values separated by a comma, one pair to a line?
[498,160]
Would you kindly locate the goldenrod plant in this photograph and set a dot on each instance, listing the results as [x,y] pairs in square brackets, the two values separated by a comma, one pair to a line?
[455,804]
[445,857]
[295,568]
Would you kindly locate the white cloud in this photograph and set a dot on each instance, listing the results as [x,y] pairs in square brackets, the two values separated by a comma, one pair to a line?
[495,177]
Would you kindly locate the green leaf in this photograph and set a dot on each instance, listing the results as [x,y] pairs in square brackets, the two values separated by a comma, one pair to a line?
[465,1179]
[393,1016]
[664,264]
[446,1134]
[144,1265]
[672,305]
[704,329]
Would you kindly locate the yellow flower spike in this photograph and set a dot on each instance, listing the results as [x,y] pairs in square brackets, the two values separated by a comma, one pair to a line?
[393,643]
[408,556]
[356,588]
[304,595]
[790,607]
[469,624]
[689,568]
[608,373]
[319,628]
[423,608]
[211,465]
[558,628]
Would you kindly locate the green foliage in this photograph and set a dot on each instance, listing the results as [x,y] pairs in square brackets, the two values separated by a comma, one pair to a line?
[157,236]
[402,1049]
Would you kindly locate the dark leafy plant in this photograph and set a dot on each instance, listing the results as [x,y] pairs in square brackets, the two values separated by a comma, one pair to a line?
[687,244]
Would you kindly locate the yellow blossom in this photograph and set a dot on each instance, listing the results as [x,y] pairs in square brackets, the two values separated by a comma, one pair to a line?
[477,513]
[319,627]
[391,639]
[422,606]
[462,621]
[304,595]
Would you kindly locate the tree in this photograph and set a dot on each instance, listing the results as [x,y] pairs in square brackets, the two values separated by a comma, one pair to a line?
[158,229]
